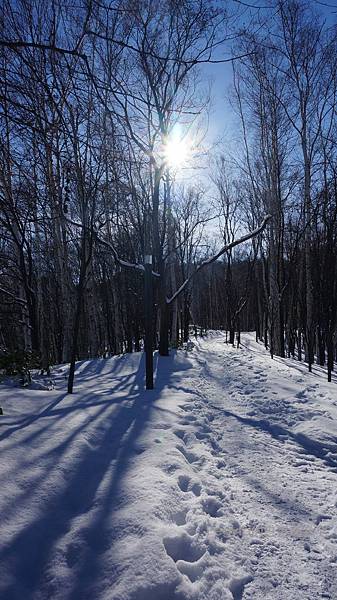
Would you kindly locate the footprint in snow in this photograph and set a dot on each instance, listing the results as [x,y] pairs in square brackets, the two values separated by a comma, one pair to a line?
[187,419]
[237,585]
[190,456]
[216,448]
[179,517]
[180,433]
[183,547]
[185,484]
[200,435]
[193,570]
[211,506]
[206,429]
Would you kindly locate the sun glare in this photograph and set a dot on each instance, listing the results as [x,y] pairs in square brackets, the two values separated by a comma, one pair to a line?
[176,152]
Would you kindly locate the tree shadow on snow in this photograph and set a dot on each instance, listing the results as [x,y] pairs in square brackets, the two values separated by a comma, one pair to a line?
[310,446]
[94,482]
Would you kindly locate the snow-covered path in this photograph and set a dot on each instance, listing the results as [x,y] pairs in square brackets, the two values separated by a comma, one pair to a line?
[219,484]
[276,462]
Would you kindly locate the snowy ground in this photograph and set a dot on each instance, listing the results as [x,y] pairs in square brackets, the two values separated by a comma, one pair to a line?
[219,484]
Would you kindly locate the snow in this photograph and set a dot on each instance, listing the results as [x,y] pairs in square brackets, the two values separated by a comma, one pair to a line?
[221,483]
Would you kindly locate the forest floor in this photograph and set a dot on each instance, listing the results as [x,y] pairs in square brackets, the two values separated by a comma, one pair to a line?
[219,484]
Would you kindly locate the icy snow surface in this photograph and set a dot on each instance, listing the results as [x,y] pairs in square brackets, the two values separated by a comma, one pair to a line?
[219,484]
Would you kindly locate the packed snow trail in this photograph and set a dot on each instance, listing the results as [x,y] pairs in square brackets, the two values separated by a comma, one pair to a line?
[269,436]
[219,484]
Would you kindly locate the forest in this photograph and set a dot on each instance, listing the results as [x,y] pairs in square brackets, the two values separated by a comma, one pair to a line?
[104,171]
[168,299]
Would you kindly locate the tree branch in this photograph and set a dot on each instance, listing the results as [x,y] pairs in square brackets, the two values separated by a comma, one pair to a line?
[122,262]
[16,44]
[215,257]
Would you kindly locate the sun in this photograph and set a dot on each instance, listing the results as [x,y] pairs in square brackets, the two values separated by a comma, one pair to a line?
[176,152]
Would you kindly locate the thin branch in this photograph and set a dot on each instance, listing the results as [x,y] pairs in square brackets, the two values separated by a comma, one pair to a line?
[19,300]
